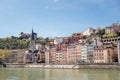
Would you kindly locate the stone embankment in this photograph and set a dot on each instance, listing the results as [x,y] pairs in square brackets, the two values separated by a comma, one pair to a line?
[47,66]
[72,66]
[15,65]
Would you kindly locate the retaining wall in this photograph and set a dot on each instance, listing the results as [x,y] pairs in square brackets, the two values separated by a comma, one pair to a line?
[73,66]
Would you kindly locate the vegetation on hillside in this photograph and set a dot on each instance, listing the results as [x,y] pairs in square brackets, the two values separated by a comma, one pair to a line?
[18,43]
[110,35]
[100,32]
[43,41]
[13,43]
[4,55]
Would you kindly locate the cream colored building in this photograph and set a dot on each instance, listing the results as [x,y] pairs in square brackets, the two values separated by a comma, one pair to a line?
[88,31]
[47,56]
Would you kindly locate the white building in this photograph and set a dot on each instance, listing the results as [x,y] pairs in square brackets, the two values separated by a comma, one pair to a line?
[119,51]
[58,40]
[90,50]
[87,53]
[84,53]
[88,32]
[38,46]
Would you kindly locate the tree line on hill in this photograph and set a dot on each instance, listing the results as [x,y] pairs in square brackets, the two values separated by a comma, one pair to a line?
[13,43]
[18,43]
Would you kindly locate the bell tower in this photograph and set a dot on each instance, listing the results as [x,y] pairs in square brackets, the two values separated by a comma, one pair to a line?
[32,46]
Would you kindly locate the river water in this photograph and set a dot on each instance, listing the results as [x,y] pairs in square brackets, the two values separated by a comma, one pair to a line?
[58,74]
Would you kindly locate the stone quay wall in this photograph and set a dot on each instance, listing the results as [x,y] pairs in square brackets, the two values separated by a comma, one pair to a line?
[82,66]
[15,65]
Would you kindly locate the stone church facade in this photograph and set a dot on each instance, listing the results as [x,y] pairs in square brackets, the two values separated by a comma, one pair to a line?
[33,54]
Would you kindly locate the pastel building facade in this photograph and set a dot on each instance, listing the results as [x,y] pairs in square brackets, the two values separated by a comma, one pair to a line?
[104,54]
[99,55]
[84,53]
[52,55]
[119,51]
[73,54]
[55,56]
[61,57]
[78,53]
[87,53]
[90,50]
[47,56]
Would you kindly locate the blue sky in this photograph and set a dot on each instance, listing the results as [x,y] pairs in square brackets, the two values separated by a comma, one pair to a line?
[56,17]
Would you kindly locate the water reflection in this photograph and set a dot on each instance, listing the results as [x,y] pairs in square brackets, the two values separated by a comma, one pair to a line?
[57,74]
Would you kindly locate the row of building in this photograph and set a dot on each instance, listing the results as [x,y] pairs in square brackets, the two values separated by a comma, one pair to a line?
[96,51]
[83,53]
[77,48]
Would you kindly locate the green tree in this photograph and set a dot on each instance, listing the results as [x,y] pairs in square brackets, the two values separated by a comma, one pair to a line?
[101,32]
[4,55]
[13,43]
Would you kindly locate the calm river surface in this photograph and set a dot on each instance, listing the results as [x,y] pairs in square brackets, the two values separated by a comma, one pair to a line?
[58,74]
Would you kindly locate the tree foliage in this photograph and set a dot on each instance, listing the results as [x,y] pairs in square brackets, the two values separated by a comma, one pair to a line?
[110,35]
[100,32]
[13,43]
[43,41]
[4,54]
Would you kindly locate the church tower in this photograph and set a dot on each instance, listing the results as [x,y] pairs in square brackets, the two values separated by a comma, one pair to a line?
[31,55]
[32,46]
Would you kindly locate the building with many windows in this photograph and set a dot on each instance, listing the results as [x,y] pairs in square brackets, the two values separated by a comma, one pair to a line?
[52,55]
[84,53]
[71,57]
[73,54]
[90,50]
[87,53]
[105,54]
[61,57]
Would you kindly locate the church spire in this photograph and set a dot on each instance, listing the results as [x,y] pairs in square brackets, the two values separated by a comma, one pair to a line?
[32,35]
[32,41]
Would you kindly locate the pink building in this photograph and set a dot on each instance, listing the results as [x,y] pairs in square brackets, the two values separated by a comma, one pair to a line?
[63,54]
[73,54]
[56,56]
[61,57]
[52,55]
